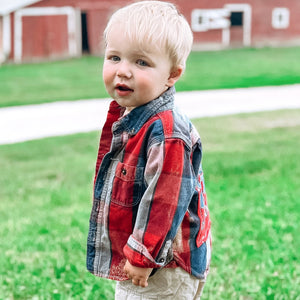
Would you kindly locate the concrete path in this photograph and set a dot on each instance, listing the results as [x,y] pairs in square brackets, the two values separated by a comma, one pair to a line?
[22,123]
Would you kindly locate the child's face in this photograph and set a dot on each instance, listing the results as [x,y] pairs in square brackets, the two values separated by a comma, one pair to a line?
[134,76]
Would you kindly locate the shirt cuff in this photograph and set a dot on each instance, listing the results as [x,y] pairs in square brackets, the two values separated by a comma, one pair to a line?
[139,256]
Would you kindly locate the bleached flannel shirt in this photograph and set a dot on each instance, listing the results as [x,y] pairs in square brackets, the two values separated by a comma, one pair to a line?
[150,204]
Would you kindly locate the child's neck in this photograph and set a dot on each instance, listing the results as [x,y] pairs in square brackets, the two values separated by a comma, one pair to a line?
[126,112]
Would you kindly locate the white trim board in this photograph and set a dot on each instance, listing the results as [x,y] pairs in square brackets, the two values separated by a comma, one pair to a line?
[9,6]
[6,36]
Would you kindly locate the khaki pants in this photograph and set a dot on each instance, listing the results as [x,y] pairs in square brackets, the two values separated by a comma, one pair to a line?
[165,284]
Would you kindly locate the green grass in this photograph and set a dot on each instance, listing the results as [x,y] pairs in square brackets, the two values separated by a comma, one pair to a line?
[82,78]
[240,68]
[54,81]
[45,201]
[252,170]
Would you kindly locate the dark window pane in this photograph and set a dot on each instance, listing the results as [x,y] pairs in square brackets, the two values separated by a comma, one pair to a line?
[236,18]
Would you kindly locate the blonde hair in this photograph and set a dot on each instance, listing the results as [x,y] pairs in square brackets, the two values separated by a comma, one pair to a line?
[155,24]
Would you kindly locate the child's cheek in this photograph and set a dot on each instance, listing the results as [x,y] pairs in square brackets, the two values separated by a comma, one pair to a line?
[143,81]
[108,75]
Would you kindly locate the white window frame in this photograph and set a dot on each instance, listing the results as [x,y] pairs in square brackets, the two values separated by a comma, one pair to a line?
[284,23]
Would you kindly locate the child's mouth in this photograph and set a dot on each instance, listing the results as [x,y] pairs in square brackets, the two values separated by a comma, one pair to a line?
[123,90]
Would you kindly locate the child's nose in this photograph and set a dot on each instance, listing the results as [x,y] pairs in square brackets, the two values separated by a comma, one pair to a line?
[124,70]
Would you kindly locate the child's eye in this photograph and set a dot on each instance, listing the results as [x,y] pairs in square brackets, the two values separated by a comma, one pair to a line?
[142,63]
[114,58]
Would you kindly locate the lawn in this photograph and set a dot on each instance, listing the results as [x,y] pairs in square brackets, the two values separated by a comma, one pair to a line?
[252,177]
[81,78]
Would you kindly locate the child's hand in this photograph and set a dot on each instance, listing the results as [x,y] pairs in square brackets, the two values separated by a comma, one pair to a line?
[138,275]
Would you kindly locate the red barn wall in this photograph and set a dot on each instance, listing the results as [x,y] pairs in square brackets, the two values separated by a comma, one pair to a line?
[262,29]
[262,32]
[46,36]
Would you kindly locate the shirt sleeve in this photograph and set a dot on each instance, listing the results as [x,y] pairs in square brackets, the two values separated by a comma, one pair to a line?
[170,185]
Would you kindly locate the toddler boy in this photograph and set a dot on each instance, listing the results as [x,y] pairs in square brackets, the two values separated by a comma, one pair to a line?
[149,225]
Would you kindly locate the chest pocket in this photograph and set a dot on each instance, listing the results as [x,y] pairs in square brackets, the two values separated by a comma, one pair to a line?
[127,185]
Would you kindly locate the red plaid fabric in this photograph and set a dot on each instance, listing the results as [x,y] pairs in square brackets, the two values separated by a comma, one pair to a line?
[150,205]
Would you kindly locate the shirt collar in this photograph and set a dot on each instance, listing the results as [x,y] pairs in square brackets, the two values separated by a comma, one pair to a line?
[133,122]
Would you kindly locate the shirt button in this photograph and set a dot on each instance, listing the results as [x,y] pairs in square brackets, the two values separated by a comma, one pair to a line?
[124,171]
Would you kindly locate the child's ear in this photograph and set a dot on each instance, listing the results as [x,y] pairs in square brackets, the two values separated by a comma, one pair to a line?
[175,74]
